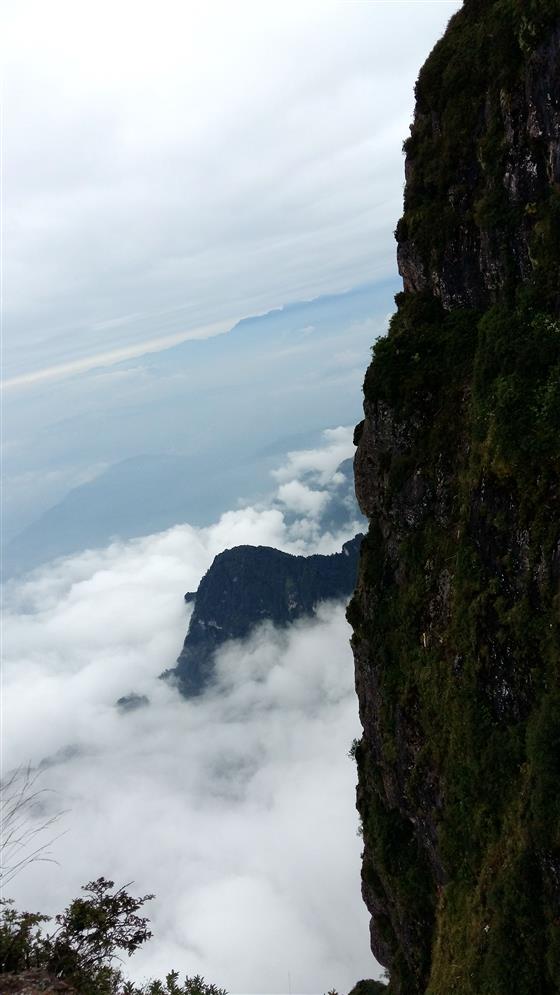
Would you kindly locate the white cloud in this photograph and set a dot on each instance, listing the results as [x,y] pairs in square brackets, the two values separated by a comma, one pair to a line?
[237,809]
[320,463]
[112,357]
[301,499]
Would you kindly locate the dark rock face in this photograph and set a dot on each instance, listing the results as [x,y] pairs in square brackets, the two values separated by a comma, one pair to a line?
[252,584]
[130,702]
[503,170]
[368,987]
[457,607]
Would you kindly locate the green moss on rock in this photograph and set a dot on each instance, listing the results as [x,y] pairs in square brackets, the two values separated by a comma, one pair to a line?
[456,613]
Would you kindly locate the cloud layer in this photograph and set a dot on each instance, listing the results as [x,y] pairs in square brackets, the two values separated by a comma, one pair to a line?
[236,809]
[173,169]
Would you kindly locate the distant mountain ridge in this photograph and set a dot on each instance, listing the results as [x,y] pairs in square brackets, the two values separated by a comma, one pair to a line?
[247,585]
[184,416]
[152,492]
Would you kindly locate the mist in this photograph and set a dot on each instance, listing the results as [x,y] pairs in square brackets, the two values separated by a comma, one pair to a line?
[236,809]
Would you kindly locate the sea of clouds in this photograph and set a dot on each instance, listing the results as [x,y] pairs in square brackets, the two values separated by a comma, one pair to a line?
[236,809]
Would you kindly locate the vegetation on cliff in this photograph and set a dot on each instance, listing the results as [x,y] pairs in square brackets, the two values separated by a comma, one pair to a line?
[456,614]
[81,951]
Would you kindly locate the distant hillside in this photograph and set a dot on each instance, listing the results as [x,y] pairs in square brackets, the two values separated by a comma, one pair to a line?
[147,494]
[192,408]
[137,496]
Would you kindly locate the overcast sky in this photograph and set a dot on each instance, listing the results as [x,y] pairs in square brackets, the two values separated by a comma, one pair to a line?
[173,166]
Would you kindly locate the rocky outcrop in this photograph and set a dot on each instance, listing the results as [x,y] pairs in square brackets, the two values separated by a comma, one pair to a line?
[131,702]
[456,611]
[486,190]
[248,585]
[34,983]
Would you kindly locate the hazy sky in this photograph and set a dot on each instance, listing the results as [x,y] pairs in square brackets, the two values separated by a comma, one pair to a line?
[214,410]
[175,165]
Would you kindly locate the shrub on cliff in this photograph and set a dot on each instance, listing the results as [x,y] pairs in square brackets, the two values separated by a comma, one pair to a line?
[87,941]
[370,987]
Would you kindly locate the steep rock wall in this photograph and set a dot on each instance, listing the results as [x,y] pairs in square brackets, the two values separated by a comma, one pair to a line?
[456,613]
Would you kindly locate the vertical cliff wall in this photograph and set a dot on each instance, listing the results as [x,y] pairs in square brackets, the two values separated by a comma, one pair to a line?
[456,613]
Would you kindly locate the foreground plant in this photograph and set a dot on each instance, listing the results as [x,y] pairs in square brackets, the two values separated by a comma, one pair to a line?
[89,938]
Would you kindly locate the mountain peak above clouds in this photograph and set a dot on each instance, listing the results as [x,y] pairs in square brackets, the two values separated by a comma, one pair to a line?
[249,585]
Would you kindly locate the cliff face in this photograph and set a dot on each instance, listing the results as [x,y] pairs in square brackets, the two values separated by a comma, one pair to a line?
[478,171]
[456,611]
